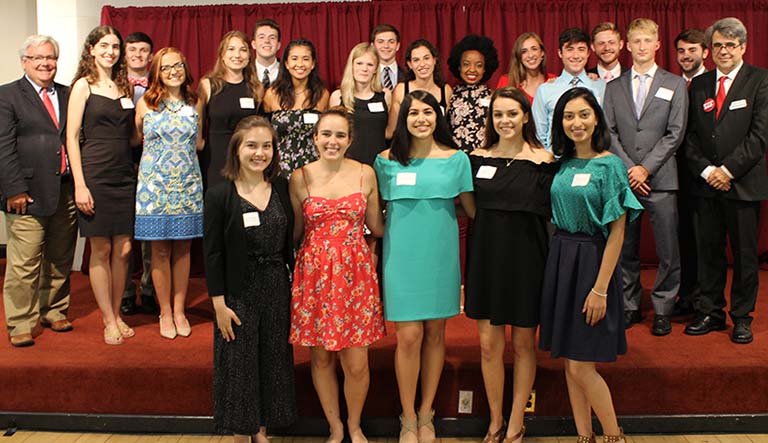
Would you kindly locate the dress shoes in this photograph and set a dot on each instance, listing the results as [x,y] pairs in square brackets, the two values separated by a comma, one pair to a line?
[662,325]
[22,340]
[631,317]
[742,332]
[704,324]
[58,325]
[128,306]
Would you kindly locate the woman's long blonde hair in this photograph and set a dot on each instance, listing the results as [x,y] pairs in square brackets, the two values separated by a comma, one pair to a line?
[347,87]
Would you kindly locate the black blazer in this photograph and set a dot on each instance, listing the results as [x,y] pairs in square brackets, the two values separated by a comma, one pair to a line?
[224,239]
[738,139]
[30,146]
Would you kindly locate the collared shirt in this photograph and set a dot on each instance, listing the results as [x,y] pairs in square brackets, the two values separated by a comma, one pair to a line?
[636,81]
[138,93]
[546,98]
[702,69]
[616,72]
[393,67]
[727,85]
[273,69]
[51,91]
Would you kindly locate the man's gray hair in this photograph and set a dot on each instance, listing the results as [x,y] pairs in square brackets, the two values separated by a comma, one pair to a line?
[730,27]
[38,40]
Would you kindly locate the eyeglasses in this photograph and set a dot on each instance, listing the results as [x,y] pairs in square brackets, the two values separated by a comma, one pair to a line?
[41,58]
[176,67]
[729,46]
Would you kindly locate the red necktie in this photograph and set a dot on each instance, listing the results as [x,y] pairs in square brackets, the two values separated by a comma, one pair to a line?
[720,97]
[49,107]
[689,84]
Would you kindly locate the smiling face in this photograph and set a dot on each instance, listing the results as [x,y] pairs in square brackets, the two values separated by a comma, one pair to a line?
[236,55]
[472,67]
[531,54]
[256,151]
[421,120]
[574,56]
[607,46]
[266,42]
[363,68]
[579,121]
[386,45]
[727,52]
[173,73]
[332,137]
[40,64]
[690,56]
[508,118]
[300,62]
[106,52]
[643,46]
[422,63]
[138,55]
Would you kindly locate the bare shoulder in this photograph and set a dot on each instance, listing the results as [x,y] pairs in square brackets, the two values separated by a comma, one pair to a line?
[384,153]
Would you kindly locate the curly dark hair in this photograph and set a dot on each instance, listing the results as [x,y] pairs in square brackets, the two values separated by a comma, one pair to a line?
[564,146]
[87,66]
[479,43]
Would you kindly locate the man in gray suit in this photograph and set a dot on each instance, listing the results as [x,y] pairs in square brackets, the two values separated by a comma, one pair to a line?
[646,110]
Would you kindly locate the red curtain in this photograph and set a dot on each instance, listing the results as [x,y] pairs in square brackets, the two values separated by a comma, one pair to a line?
[336,27]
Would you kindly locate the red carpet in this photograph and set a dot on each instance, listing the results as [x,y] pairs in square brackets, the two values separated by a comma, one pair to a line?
[75,372]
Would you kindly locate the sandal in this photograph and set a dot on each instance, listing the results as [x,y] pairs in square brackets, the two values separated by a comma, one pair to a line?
[125,330]
[615,438]
[426,422]
[516,437]
[586,438]
[113,336]
[408,426]
[496,436]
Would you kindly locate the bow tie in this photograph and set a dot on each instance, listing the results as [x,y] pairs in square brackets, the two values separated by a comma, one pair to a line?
[139,81]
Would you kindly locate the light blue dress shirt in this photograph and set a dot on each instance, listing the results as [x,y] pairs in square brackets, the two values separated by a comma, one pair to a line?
[546,98]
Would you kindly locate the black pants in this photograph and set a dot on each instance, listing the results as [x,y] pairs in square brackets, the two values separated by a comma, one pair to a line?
[714,218]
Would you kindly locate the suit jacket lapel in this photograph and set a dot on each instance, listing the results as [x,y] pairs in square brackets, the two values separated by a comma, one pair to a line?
[735,90]
[63,94]
[36,101]
[654,87]
[626,86]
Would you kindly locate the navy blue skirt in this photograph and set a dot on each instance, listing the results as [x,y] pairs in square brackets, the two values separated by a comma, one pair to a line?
[570,273]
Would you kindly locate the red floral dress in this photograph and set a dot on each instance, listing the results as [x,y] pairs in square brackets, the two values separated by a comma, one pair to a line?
[336,301]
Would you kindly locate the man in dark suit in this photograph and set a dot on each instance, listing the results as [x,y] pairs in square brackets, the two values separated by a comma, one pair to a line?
[725,147]
[386,40]
[607,44]
[646,110]
[37,195]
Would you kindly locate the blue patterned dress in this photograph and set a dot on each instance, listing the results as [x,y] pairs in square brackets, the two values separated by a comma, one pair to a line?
[169,195]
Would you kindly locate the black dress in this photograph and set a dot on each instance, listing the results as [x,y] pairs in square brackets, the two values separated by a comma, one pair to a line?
[253,379]
[508,246]
[223,111]
[106,157]
[370,123]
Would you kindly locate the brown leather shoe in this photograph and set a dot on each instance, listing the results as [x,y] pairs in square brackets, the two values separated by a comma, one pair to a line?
[22,340]
[58,325]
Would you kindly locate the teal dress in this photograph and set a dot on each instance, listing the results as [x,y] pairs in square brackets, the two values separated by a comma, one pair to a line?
[587,195]
[422,275]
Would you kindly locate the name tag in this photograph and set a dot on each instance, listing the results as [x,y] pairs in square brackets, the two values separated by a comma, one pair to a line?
[247,103]
[580,180]
[442,109]
[665,94]
[186,111]
[310,118]
[127,103]
[738,104]
[376,107]
[406,179]
[251,219]
[484,102]
[486,172]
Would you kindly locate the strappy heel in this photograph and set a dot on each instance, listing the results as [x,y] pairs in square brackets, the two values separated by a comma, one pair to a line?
[586,438]
[428,422]
[496,436]
[515,437]
[615,438]
[408,426]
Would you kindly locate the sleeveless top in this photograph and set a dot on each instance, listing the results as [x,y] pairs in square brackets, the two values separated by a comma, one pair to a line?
[369,127]
[443,104]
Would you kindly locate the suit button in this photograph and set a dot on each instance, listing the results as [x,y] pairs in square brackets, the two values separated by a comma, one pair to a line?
[714,136]
[58,173]
[58,152]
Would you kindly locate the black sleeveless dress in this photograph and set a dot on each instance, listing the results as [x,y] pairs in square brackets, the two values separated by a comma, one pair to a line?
[440,100]
[223,112]
[370,127]
[107,162]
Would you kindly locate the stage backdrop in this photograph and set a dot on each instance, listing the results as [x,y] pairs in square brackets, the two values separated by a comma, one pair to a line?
[336,27]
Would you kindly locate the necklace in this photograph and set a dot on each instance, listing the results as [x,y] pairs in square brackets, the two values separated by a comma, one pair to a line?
[174,106]
[510,161]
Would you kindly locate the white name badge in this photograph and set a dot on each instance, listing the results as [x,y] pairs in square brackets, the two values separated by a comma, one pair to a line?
[442,109]
[251,219]
[580,180]
[310,118]
[486,172]
[406,179]
[126,103]
[376,107]
[484,102]
[186,111]
[738,104]
[665,94]
[247,103]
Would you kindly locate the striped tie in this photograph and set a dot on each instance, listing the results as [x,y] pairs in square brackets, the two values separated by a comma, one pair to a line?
[387,80]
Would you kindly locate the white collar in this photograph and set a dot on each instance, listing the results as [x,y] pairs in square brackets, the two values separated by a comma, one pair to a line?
[651,72]
[732,74]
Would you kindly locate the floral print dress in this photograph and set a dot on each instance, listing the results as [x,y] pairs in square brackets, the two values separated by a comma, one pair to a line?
[294,128]
[467,114]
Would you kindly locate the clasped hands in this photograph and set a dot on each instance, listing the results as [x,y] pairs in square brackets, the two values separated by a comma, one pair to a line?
[638,177]
[719,180]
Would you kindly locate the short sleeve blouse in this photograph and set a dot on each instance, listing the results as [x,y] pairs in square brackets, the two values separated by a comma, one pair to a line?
[424,178]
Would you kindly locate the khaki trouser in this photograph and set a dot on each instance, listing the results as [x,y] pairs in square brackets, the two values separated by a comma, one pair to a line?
[39,253]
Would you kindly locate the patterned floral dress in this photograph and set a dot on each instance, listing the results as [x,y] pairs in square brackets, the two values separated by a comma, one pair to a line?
[336,301]
[294,127]
[467,114]
[169,195]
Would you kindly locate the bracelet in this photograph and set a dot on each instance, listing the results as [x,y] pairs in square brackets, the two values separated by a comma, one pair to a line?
[599,294]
